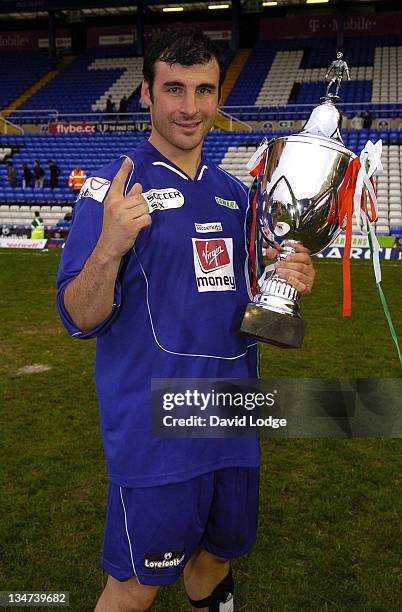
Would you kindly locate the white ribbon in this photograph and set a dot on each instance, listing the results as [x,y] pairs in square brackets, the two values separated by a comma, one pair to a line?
[255,158]
[371,154]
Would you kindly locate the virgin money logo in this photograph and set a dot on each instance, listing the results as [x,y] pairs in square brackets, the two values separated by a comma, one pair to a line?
[212,254]
[213,264]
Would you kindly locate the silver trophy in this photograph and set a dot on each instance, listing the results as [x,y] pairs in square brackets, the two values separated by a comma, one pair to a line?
[297,195]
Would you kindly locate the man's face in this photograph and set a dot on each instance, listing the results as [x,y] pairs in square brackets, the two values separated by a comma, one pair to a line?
[183,104]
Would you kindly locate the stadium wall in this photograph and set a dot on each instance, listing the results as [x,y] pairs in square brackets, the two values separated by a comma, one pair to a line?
[34,39]
[308,26]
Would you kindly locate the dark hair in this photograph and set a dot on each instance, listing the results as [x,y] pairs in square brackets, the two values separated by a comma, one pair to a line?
[186,47]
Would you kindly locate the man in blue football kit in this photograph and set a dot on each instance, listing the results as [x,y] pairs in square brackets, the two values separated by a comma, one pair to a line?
[156,267]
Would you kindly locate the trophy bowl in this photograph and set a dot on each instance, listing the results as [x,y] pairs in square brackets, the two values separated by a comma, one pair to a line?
[299,191]
[298,202]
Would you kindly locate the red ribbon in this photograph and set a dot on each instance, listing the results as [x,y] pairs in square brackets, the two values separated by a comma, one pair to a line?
[346,196]
[253,246]
[258,170]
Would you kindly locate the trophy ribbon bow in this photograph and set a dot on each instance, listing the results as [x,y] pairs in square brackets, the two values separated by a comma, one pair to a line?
[370,160]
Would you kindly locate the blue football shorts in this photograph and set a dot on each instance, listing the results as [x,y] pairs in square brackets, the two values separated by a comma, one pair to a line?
[151,532]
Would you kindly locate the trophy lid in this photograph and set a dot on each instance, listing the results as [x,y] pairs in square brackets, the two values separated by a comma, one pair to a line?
[325,121]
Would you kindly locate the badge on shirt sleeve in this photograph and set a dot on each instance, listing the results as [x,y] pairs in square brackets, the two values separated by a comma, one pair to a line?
[95,188]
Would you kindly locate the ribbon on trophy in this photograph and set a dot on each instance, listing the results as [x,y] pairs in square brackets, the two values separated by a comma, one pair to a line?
[255,165]
[346,204]
[366,208]
[371,165]
[357,196]
[352,201]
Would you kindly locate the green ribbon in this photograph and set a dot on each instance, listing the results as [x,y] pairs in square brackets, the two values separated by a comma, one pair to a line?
[383,300]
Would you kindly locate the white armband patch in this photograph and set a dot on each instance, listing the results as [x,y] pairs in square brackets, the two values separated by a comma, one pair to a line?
[95,188]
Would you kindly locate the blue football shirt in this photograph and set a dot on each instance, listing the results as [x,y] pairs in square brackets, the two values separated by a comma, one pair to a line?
[174,316]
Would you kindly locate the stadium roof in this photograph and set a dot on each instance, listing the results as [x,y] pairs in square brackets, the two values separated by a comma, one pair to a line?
[33,9]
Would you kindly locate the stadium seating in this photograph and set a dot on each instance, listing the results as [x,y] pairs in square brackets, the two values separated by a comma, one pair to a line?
[17,76]
[276,74]
[387,75]
[21,216]
[125,85]
[230,149]
[291,72]
[83,85]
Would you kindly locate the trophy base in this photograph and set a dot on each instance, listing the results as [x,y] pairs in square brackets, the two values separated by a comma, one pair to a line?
[273,327]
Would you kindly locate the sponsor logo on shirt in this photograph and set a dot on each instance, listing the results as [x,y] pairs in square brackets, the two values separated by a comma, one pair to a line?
[95,188]
[227,203]
[204,228]
[213,264]
[157,560]
[163,199]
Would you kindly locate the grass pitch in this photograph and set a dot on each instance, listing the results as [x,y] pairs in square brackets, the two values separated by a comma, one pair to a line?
[329,536]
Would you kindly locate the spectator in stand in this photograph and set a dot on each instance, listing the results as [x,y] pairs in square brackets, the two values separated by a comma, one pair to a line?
[27,176]
[54,173]
[357,121]
[11,174]
[77,179]
[110,105]
[123,107]
[39,175]
[367,120]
